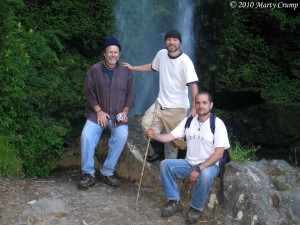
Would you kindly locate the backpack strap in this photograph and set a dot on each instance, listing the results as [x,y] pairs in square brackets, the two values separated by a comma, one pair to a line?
[188,122]
[222,162]
[212,122]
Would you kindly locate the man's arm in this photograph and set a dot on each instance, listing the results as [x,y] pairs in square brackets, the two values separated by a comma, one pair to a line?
[194,91]
[160,137]
[142,68]
[215,157]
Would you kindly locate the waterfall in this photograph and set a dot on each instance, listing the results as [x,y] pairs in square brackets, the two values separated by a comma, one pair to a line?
[141,27]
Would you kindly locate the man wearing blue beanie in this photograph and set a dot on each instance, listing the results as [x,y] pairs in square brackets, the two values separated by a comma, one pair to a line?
[176,74]
[110,94]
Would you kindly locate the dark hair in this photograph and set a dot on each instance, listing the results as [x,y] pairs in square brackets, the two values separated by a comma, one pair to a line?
[210,98]
[173,34]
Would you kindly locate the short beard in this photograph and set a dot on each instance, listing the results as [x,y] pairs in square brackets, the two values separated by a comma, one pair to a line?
[172,48]
[203,114]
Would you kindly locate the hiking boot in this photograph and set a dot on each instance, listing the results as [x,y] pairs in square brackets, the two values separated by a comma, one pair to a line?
[159,151]
[193,215]
[172,207]
[153,157]
[110,180]
[86,181]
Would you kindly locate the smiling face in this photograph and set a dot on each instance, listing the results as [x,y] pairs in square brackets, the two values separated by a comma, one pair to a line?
[111,55]
[203,104]
[172,45]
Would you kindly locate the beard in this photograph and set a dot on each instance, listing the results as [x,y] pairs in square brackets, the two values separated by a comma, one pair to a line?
[112,60]
[203,113]
[172,48]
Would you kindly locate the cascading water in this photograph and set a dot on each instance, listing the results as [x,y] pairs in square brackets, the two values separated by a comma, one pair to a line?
[141,29]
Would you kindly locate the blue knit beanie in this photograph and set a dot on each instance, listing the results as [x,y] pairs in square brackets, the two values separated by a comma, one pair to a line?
[173,34]
[111,41]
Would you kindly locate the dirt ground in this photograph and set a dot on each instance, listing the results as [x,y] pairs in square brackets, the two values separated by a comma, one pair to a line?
[99,204]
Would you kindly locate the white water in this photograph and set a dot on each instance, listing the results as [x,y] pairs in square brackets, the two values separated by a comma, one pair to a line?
[142,25]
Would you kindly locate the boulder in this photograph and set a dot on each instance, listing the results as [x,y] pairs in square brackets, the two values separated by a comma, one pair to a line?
[263,192]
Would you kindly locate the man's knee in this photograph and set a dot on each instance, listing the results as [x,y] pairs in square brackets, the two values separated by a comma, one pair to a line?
[207,176]
[164,164]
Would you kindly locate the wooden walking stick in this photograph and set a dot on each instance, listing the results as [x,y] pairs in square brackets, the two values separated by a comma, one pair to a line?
[145,158]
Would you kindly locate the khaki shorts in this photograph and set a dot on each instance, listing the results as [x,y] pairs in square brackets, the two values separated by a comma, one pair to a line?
[167,118]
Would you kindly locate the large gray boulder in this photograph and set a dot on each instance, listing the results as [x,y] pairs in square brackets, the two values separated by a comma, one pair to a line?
[263,192]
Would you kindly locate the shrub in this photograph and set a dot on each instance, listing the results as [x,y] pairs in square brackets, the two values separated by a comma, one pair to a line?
[239,153]
[10,161]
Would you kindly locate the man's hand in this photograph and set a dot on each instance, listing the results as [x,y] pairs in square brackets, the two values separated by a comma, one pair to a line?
[125,116]
[127,65]
[194,176]
[193,112]
[102,118]
[151,134]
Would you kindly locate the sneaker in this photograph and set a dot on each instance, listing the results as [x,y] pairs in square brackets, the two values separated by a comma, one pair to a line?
[172,207]
[193,216]
[86,181]
[110,180]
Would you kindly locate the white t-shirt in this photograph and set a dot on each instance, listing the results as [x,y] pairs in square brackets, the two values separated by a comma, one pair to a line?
[201,143]
[175,74]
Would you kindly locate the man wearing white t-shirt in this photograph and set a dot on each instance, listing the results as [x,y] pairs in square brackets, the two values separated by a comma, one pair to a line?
[204,150]
[176,74]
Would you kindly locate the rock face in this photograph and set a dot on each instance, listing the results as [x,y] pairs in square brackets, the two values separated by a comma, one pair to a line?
[276,128]
[263,192]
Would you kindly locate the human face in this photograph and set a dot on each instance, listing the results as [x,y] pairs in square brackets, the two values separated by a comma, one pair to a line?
[111,55]
[172,45]
[203,105]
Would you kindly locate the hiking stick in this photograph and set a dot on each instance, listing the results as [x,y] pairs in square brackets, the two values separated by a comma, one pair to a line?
[145,158]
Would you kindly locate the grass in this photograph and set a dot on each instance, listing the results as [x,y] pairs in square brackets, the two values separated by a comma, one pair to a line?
[242,154]
[294,158]
[10,162]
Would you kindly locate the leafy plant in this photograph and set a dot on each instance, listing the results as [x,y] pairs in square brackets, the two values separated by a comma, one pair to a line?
[239,153]
[10,161]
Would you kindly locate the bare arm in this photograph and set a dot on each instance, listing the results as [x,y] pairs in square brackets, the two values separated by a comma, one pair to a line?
[160,137]
[215,157]
[142,68]
[194,91]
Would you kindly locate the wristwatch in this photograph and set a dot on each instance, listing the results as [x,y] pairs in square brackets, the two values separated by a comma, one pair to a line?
[198,169]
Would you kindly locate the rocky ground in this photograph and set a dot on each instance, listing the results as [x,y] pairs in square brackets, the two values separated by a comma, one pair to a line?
[57,201]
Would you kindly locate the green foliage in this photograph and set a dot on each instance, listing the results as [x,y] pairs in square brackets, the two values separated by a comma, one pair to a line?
[250,50]
[78,25]
[46,49]
[10,161]
[242,154]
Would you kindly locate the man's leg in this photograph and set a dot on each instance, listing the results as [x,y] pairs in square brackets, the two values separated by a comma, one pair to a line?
[89,139]
[170,171]
[159,151]
[152,118]
[116,145]
[171,118]
[201,191]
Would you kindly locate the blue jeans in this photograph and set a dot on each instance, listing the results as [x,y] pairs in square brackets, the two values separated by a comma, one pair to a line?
[173,169]
[90,136]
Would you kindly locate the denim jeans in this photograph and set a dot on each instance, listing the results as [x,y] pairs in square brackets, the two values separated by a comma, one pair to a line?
[173,169]
[90,136]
